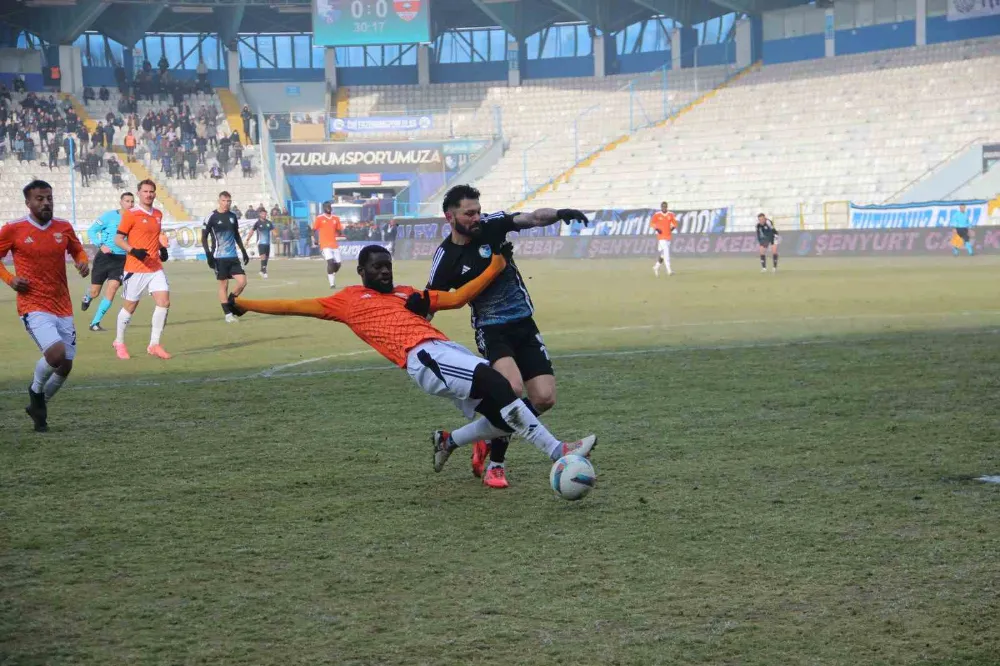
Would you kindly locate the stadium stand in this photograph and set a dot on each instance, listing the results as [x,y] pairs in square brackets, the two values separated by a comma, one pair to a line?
[538,111]
[797,134]
[94,195]
[197,195]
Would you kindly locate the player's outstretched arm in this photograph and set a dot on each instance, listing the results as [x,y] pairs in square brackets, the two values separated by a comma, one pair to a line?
[429,301]
[306,307]
[543,217]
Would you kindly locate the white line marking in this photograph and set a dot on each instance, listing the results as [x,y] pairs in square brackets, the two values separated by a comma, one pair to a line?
[278,368]
[570,356]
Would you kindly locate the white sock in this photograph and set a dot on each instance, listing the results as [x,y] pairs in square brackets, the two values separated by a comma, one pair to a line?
[53,385]
[123,319]
[519,417]
[42,373]
[666,260]
[159,321]
[494,464]
[479,429]
[332,277]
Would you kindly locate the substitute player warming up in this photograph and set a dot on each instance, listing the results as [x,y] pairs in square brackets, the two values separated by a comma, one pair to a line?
[222,228]
[392,320]
[664,223]
[328,229]
[502,315]
[39,244]
[139,234]
[767,236]
[109,262]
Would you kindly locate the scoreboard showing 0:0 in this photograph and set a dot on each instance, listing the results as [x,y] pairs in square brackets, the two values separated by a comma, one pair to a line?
[370,22]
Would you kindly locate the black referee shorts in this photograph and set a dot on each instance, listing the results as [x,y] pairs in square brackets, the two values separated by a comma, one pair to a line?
[107,267]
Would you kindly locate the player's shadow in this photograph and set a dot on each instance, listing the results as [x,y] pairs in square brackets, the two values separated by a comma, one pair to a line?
[235,345]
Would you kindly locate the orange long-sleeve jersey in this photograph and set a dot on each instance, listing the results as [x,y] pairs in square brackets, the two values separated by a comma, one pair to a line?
[664,224]
[40,258]
[382,320]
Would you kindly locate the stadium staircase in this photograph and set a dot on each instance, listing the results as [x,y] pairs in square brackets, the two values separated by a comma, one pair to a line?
[565,176]
[231,108]
[794,139]
[171,206]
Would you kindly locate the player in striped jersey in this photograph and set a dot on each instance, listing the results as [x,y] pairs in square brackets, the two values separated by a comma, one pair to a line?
[502,315]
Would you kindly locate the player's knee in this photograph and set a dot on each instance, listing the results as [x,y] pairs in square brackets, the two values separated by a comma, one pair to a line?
[55,355]
[544,401]
[334,266]
[487,383]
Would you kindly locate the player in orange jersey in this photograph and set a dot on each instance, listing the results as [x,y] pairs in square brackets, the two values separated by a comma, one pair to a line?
[140,235]
[664,222]
[392,320]
[328,228]
[39,244]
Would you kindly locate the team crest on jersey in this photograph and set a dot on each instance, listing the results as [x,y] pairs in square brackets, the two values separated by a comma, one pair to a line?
[58,236]
[406,9]
[485,252]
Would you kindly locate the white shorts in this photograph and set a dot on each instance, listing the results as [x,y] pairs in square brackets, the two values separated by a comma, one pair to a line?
[444,368]
[663,246]
[331,253]
[46,329]
[135,284]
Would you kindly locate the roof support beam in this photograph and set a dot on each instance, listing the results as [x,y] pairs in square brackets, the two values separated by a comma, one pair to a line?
[127,24]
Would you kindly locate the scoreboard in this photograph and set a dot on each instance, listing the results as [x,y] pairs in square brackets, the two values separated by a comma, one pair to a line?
[370,22]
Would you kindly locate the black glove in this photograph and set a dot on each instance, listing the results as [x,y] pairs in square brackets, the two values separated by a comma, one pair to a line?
[419,303]
[235,309]
[211,261]
[163,254]
[506,250]
[570,215]
[139,253]
[246,259]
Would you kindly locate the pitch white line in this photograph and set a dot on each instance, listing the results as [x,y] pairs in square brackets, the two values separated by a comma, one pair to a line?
[570,356]
[278,368]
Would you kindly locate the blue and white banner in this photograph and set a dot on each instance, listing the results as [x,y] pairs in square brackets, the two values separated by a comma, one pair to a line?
[917,216]
[381,124]
[959,10]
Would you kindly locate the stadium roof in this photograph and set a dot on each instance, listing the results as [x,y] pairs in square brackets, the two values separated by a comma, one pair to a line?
[126,21]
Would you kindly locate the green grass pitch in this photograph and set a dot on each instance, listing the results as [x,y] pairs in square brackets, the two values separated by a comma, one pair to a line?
[785,476]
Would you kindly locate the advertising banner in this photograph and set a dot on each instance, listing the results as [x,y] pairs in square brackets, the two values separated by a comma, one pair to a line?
[605,222]
[959,10]
[805,244]
[383,157]
[916,216]
[380,124]
[635,221]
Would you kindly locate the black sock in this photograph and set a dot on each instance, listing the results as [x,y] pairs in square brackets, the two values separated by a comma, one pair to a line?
[498,449]
[225,308]
[763,261]
[775,260]
[263,265]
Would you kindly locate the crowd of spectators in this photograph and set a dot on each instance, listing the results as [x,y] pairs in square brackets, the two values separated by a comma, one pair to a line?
[45,130]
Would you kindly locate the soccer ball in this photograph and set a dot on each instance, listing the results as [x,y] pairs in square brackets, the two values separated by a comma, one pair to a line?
[572,477]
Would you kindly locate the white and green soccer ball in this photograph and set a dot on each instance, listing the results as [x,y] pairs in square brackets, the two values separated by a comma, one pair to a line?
[572,477]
